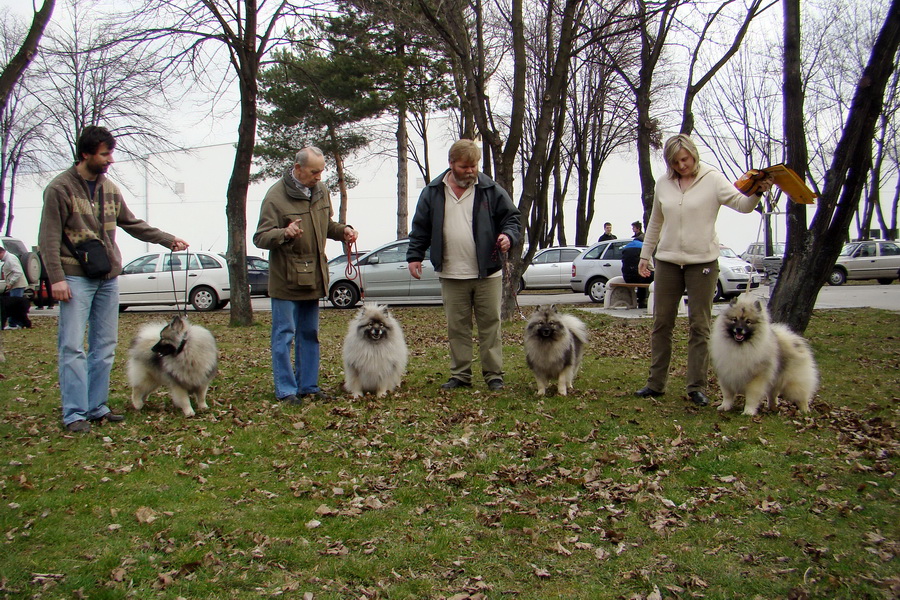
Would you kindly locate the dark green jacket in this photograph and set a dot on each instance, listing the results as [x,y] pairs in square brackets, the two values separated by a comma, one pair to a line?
[298,268]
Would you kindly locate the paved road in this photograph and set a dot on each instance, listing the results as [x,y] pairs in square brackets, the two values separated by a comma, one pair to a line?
[886,297]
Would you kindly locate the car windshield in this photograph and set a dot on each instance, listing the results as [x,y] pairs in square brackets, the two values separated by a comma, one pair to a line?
[848,249]
[727,252]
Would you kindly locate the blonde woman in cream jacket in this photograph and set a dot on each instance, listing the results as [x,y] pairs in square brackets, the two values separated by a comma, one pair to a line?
[681,239]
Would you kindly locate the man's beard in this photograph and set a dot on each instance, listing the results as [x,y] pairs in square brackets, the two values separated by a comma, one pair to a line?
[465,181]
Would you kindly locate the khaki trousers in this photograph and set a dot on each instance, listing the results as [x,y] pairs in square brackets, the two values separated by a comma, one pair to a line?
[670,283]
[464,298]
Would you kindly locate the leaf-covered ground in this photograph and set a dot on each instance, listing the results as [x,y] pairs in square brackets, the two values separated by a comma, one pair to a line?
[463,495]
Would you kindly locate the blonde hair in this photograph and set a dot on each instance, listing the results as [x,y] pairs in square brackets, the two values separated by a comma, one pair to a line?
[464,150]
[673,146]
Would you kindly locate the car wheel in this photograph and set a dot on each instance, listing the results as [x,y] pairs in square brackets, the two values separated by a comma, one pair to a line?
[885,281]
[837,277]
[222,304]
[31,266]
[343,295]
[720,293]
[123,308]
[204,299]
[521,286]
[596,289]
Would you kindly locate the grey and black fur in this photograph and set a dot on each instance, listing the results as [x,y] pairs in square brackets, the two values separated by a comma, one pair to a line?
[178,355]
[375,352]
[554,347]
[760,359]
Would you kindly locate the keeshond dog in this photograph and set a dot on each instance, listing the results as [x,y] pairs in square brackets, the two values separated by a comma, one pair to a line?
[554,346]
[375,352]
[760,359]
[178,355]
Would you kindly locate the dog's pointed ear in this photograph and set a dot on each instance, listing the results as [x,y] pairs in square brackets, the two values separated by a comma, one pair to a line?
[758,305]
[734,301]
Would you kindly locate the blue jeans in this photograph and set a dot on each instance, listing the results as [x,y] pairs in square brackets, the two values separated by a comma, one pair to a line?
[297,322]
[84,378]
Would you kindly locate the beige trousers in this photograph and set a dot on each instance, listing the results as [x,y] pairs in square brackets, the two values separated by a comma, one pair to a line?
[464,298]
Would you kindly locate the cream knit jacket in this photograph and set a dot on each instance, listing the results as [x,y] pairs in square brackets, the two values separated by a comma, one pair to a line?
[682,227]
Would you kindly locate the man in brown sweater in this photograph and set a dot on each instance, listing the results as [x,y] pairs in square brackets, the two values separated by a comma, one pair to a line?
[82,204]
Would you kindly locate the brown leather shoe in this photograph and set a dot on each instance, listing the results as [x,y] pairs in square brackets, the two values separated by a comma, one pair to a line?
[80,426]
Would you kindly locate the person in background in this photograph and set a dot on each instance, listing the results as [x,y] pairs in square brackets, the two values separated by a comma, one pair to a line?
[83,204]
[631,257]
[468,221]
[607,233]
[687,199]
[15,281]
[637,232]
[295,220]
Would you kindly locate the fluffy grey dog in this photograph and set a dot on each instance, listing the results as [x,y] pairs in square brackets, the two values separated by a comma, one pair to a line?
[759,359]
[374,352]
[177,355]
[554,346]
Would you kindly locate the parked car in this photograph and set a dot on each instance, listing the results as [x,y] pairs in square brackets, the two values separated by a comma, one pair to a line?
[550,268]
[382,274]
[736,275]
[603,261]
[870,259]
[170,278]
[341,259]
[258,275]
[770,264]
[595,266]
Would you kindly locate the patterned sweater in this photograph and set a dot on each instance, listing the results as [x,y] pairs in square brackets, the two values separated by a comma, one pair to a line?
[68,207]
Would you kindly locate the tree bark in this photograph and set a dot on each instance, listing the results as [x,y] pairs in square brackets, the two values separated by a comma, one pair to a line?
[810,259]
[402,174]
[23,57]
[236,206]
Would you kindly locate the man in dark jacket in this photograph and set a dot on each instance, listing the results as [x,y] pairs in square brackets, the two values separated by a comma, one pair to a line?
[631,256]
[295,220]
[468,221]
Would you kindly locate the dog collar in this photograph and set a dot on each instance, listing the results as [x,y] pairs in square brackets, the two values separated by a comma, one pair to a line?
[181,347]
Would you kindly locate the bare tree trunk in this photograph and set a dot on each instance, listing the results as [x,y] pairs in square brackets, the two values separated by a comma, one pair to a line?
[23,57]
[236,206]
[402,175]
[807,267]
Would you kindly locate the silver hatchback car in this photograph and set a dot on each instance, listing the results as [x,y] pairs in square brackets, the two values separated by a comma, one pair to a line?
[871,259]
[383,274]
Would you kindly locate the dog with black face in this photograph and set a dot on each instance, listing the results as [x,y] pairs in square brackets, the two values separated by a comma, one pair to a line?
[375,352]
[759,359]
[178,355]
[554,347]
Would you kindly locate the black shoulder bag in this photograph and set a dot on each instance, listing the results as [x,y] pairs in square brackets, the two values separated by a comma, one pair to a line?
[91,254]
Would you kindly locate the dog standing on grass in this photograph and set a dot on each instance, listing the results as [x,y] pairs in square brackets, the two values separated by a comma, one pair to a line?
[178,355]
[759,359]
[375,352]
[554,346]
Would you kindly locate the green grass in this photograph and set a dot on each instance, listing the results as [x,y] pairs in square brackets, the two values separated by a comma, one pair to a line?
[470,494]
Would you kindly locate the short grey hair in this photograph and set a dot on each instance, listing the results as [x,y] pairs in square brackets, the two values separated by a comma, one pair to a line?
[303,155]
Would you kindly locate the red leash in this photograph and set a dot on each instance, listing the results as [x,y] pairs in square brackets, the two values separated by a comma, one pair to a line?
[352,269]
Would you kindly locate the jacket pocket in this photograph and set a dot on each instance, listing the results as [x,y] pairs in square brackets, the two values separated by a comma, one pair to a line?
[302,270]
